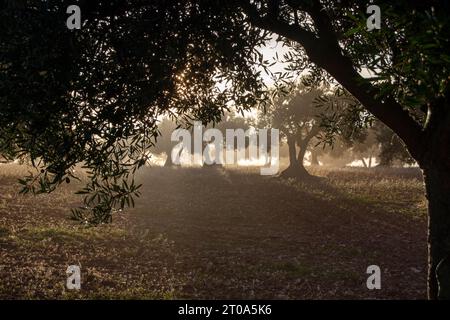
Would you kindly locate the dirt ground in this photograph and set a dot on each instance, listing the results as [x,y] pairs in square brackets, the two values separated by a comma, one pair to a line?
[223,233]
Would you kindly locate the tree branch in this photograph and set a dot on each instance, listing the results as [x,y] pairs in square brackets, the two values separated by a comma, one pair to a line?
[323,49]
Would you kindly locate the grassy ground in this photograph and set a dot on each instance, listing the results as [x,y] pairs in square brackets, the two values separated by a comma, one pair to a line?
[215,233]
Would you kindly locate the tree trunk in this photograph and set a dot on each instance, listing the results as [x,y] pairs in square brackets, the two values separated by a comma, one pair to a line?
[301,153]
[296,168]
[364,162]
[292,151]
[438,194]
[314,158]
[435,163]
[168,162]
[436,170]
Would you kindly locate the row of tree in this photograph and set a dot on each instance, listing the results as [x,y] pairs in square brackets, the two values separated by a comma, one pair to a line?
[301,117]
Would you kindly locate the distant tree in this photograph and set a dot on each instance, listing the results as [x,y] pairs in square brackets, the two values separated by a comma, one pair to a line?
[164,144]
[233,121]
[344,135]
[229,120]
[365,146]
[344,151]
[375,141]
[297,119]
[302,114]
[336,155]
[391,147]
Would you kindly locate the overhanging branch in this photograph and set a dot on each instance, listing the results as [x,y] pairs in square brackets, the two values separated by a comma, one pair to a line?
[323,49]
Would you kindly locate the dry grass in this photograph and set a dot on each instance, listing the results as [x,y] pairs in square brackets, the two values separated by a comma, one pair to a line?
[215,233]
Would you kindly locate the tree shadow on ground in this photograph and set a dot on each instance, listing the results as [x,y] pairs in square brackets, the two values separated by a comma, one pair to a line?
[260,237]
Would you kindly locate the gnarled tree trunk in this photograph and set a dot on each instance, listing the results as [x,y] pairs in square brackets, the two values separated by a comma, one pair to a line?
[292,151]
[436,170]
[296,168]
[437,184]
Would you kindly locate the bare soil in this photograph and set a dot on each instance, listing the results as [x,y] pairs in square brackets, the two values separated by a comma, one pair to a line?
[223,233]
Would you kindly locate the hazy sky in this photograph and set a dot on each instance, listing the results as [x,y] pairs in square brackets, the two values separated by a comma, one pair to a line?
[269,53]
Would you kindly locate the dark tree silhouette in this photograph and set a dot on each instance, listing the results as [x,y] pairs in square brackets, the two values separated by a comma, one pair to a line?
[297,118]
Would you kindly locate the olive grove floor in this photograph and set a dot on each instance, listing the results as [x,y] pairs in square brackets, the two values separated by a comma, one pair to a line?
[223,233]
